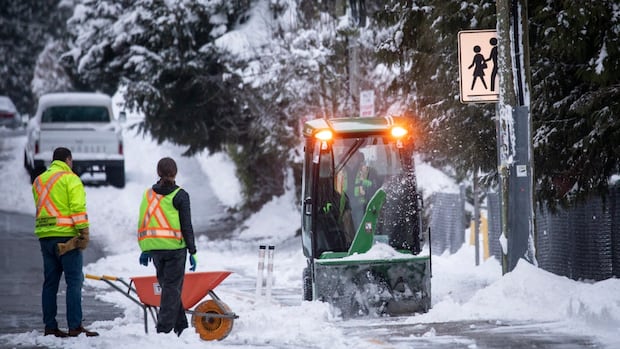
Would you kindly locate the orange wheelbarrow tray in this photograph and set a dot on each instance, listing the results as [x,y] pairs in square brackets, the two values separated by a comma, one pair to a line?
[212,318]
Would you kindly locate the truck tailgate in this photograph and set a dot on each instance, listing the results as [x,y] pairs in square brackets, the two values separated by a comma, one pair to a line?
[85,141]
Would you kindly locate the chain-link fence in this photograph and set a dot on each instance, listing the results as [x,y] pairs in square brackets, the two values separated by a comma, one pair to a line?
[447,222]
[494,224]
[581,242]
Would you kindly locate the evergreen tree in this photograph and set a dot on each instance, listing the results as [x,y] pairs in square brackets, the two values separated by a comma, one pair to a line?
[49,74]
[419,40]
[25,28]
[576,96]
[574,57]
[165,58]
[196,94]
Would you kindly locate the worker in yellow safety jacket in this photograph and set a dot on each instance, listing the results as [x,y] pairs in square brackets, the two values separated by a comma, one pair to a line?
[355,182]
[165,235]
[61,224]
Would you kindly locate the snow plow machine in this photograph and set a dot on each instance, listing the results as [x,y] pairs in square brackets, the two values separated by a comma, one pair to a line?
[362,229]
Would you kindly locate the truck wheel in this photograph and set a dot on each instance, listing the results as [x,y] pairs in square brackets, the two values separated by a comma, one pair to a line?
[115,176]
[307,284]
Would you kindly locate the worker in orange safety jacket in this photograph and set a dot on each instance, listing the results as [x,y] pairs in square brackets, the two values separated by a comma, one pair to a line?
[165,235]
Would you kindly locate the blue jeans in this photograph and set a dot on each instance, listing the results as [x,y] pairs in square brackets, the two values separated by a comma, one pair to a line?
[53,266]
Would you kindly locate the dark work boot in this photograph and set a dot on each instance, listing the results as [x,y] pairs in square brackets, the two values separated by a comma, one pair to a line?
[56,332]
[76,332]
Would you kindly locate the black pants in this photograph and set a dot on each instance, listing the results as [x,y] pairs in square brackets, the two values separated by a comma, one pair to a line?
[170,267]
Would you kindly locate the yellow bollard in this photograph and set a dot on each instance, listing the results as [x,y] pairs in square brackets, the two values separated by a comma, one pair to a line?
[484,229]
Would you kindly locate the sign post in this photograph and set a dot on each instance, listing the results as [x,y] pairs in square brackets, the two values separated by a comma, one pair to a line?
[479,64]
[478,69]
[479,83]
[367,103]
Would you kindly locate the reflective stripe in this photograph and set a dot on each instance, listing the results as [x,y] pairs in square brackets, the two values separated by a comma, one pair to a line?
[159,233]
[45,202]
[154,208]
[43,191]
[64,221]
[79,218]
[162,228]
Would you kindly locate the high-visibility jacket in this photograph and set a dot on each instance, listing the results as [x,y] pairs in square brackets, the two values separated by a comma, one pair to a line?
[360,184]
[60,202]
[159,227]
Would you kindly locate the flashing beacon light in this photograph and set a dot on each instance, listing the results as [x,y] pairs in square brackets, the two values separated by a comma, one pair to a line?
[398,132]
[324,135]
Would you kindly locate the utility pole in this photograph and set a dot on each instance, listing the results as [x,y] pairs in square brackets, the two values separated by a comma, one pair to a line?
[514,132]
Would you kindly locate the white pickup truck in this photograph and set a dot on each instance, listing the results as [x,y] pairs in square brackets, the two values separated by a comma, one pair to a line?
[85,124]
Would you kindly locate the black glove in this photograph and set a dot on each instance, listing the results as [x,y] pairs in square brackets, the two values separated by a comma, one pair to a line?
[145,257]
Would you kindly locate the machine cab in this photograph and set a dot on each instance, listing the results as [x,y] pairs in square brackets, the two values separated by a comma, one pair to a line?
[359,187]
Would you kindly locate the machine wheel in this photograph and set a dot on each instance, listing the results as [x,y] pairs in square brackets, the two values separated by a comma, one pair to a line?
[307,284]
[210,328]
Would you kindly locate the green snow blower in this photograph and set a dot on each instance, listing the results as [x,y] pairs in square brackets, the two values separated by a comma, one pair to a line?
[362,218]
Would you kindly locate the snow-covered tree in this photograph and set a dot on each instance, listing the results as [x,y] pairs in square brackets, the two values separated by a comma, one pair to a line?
[49,75]
[208,77]
[418,39]
[26,26]
[575,57]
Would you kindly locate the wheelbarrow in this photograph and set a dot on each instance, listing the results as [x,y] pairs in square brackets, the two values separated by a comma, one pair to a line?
[212,318]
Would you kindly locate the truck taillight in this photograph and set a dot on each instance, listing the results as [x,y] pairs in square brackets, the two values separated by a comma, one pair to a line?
[120,148]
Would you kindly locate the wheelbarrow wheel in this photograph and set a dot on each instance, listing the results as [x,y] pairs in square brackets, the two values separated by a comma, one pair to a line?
[212,328]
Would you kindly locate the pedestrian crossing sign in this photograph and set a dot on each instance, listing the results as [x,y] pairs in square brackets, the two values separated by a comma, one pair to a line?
[478,70]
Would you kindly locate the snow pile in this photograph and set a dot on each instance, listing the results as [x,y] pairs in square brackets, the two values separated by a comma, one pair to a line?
[378,251]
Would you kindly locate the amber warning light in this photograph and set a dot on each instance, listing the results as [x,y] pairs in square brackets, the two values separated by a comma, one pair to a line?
[324,135]
[398,131]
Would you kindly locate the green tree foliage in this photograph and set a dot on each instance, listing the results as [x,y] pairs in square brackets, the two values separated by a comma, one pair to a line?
[25,28]
[419,38]
[574,98]
[195,93]
[163,54]
[318,50]
[575,61]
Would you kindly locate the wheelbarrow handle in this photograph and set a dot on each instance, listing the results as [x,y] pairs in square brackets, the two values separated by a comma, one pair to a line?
[93,277]
[102,277]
